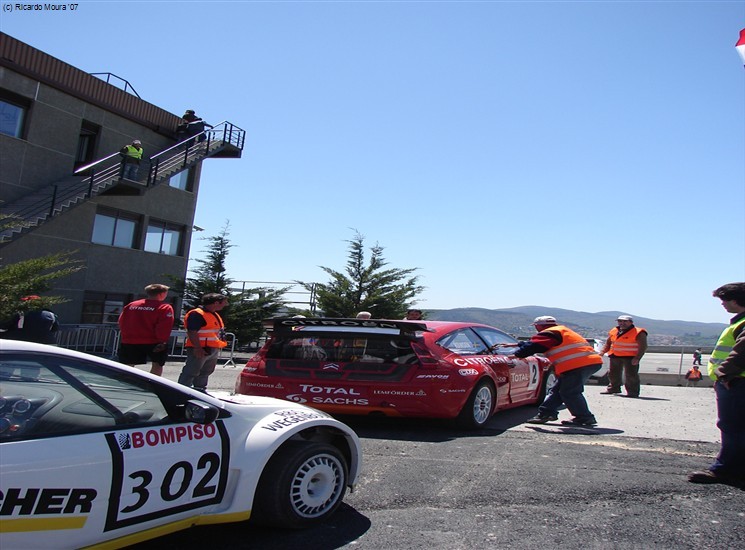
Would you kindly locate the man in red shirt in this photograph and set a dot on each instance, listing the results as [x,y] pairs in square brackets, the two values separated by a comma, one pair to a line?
[145,327]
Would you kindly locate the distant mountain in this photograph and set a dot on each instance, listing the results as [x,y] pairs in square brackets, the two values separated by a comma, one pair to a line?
[517,321]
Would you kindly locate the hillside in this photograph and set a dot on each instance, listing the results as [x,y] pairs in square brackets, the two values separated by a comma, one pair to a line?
[517,321]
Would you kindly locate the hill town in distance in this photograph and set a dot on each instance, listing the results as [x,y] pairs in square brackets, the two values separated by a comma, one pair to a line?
[518,322]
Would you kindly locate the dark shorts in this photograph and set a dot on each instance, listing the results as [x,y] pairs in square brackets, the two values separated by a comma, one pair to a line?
[138,354]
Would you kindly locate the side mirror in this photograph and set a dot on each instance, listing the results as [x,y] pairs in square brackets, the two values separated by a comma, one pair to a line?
[200,413]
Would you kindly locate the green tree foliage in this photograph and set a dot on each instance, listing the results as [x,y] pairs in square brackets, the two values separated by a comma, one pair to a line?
[34,276]
[385,293]
[247,309]
[211,273]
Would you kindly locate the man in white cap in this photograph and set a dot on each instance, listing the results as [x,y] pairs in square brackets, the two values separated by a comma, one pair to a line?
[574,361]
[625,347]
[131,157]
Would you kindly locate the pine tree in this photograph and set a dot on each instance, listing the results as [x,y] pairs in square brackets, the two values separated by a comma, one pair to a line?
[211,275]
[34,276]
[385,293]
[247,308]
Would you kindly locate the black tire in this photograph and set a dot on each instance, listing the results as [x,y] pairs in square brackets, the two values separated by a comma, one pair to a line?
[479,406]
[548,381]
[302,485]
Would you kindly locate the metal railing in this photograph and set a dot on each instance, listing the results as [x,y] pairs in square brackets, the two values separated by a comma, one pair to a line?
[96,177]
[103,340]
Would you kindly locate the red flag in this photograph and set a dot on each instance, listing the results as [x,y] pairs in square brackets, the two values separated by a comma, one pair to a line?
[741,46]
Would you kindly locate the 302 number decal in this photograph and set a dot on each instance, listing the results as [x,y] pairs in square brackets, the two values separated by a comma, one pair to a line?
[176,482]
[147,483]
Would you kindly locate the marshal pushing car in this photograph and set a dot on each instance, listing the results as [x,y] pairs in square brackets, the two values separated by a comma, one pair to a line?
[431,369]
[96,453]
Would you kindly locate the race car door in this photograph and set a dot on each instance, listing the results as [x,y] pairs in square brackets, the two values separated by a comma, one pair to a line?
[71,467]
[524,375]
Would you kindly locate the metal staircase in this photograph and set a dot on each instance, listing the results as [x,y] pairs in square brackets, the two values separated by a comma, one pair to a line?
[224,140]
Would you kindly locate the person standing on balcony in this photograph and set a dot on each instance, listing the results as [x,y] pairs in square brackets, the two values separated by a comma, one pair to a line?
[625,347]
[131,157]
[32,323]
[145,327]
[205,337]
[193,126]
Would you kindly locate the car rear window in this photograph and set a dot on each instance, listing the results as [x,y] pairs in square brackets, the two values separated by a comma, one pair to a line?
[341,347]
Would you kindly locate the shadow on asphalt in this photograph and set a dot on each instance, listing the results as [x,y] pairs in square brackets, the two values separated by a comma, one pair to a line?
[434,430]
[344,527]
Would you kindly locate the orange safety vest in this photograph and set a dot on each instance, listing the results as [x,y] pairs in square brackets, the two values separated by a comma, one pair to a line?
[626,344]
[574,352]
[210,334]
[694,374]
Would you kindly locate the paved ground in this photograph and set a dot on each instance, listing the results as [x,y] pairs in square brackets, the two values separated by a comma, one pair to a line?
[426,485]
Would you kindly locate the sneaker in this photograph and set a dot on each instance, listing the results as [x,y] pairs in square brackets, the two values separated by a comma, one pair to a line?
[580,422]
[543,418]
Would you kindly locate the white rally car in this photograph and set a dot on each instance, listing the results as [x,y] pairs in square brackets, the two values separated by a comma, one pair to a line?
[94,453]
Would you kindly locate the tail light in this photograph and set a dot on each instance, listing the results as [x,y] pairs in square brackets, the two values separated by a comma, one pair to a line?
[426,359]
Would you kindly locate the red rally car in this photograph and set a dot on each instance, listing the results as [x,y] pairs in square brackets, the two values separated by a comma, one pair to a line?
[433,369]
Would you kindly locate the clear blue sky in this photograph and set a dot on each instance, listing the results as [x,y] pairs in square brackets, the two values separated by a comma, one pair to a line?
[581,155]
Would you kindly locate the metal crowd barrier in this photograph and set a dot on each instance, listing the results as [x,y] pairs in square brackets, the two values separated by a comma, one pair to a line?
[104,340]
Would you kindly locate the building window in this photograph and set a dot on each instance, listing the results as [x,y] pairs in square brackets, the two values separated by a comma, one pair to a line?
[86,144]
[181,181]
[101,308]
[12,117]
[164,238]
[115,229]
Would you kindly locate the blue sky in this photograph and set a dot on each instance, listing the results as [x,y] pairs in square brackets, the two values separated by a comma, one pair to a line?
[580,155]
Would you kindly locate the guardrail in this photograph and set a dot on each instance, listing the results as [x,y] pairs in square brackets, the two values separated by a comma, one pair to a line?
[104,341]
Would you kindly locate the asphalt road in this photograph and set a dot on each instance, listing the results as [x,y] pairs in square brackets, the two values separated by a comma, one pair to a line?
[427,485]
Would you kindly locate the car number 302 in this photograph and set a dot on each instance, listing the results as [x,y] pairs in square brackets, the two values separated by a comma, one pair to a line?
[147,483]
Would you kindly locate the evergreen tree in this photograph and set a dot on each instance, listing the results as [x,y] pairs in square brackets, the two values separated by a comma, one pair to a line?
[211,273]
[33,276]
[247,308]
[385,293]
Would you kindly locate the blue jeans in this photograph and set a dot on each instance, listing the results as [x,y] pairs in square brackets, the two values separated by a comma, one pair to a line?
[568,390]
[130,171]
[731,424]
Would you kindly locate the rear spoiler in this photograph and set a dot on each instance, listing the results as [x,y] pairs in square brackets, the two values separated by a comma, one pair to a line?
[286,324]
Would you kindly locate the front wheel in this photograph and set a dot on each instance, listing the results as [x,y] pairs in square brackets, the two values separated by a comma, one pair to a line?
[478,407]
[548,381]
[303,484]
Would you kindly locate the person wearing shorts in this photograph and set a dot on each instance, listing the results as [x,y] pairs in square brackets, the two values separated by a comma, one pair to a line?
[145,327]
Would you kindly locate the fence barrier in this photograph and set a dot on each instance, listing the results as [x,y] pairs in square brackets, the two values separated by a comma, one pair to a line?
[104,341]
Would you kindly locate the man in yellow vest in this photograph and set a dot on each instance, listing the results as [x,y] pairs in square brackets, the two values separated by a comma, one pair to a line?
[625,347]
[131,157]
[574,361]
[205,337]
[727,369]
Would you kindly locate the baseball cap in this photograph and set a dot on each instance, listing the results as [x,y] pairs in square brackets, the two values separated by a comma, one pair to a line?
[544,320]
[625,318]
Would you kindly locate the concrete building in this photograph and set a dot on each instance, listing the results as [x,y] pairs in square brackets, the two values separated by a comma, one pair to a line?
[56,120]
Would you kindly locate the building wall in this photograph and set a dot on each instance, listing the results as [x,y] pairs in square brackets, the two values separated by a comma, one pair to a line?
[46,153]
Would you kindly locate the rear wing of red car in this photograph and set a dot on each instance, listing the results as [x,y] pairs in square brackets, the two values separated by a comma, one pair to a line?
[288,324]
